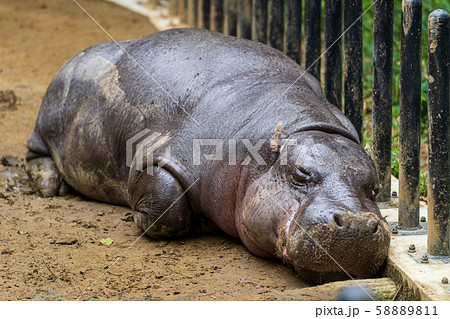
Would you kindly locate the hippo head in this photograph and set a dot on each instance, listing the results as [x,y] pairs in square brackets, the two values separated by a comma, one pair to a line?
[316,209]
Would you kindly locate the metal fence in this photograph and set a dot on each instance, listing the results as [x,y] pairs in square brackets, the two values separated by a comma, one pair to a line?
[278,23]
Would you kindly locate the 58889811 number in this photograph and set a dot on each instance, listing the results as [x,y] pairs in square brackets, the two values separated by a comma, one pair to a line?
[406,310]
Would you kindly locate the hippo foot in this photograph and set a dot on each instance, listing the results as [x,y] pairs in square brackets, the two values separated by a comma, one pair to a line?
[161,208]
[45,176]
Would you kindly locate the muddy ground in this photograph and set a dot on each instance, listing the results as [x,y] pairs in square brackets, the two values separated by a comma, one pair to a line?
[49,248]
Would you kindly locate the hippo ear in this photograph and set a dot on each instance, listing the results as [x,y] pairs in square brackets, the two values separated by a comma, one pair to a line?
[275,145]
[275,141]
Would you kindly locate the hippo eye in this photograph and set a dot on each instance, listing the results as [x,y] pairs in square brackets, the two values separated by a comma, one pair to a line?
[374,192]
[301,177]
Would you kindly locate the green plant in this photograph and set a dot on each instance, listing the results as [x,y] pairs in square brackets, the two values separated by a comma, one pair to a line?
[394,157]
[423,186]
[367,138]
[424,119]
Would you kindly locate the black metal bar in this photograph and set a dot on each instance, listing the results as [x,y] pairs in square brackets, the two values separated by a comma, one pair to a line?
[293,29]
[244,19]
[333,55]
[230,20]
[353,67]
[438,133]
[259,20]
[312,37]
[192,13]
[216,20]
[382,94]
[204,14]
[275,33]
[410,100]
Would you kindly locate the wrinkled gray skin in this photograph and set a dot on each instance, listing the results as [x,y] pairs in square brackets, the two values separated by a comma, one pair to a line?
[317,212]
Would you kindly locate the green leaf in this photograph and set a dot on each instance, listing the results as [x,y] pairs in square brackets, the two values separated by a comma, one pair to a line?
[106,241]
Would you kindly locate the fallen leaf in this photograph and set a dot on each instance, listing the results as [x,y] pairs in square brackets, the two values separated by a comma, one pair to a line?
[106,241]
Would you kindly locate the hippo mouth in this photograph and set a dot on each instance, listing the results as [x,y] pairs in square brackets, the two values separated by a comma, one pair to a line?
[286,257]
[354,246]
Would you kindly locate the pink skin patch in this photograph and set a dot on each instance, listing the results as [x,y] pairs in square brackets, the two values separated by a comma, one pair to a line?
[286,256]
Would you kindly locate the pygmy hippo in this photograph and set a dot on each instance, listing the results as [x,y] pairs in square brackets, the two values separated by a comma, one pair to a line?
[190,124]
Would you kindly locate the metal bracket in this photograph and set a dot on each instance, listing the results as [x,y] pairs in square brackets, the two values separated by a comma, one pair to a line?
[421,230]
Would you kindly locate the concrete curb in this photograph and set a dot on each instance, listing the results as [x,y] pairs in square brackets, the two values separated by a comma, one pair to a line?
[420,281]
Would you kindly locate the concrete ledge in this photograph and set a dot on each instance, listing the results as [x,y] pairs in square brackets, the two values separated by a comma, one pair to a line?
[420,281]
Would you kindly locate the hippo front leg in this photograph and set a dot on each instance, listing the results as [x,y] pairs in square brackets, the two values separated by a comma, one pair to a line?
[161,208]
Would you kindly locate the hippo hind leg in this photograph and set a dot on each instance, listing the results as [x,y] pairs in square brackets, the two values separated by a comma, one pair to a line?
[42,169]
[161,208]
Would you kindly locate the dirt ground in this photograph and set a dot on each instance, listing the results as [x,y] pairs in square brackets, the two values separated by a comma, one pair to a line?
[49,248]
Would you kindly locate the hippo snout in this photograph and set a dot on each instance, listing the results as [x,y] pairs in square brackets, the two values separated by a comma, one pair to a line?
[337,242]
[365,223]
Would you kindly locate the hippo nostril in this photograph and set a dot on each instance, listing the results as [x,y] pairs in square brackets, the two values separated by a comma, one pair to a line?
[373,226]
[338,219]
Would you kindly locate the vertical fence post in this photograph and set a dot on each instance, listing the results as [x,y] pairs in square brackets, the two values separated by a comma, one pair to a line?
[333,55]
[312,37]
[259,20]
[293,29]
[203,14]
[275,33]
[438,133]
[244,18]
[216,20]
[183,11]
[173,7]
[410,100]
[382,94]
[230,20]
[353,64]
[192,13]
